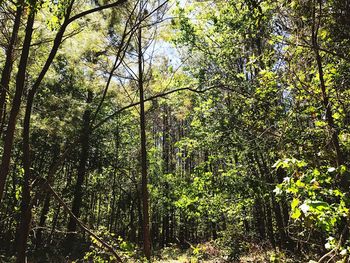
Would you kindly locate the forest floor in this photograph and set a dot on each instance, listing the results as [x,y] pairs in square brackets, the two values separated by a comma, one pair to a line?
[209,253]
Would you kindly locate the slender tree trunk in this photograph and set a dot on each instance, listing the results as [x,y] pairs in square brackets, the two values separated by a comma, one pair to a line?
[166,142]
[42,221]
[113,202]
[325,97]
[269,221]
[114,185]
[260,217]
[16,103]
[23,230]
[267,176]
[132,230]
[140,217]
[78,189]
[26,213]
[144,190]
[6,72]
[54,222]
[245,221]
[47,198]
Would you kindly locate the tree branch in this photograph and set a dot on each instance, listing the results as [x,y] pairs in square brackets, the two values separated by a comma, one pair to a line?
[148,99]
[93,10]
[81,224]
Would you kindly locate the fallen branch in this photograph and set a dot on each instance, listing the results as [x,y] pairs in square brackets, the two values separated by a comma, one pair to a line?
[81,224]
[326,255]
[334,250]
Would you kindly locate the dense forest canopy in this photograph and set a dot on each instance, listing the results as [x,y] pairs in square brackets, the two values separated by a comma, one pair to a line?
[159,130]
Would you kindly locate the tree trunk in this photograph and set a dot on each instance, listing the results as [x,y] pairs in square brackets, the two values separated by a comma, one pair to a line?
[43,218]
[264,173]
[144,190]
[16,103]
[78,189]
[166,149]
[26,210]
[6,72]
[325,97]
[260,217]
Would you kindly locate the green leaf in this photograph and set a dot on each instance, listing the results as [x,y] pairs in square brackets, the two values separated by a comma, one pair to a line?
[318,205]
[301,164]
[320,123]
[300,184]
[343,169]
[336,116]
[296,213]
[316,172]
[295,203]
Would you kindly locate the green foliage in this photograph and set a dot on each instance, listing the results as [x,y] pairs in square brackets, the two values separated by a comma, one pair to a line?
[317,201]
[277,257]
[97,253]
[259,81]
